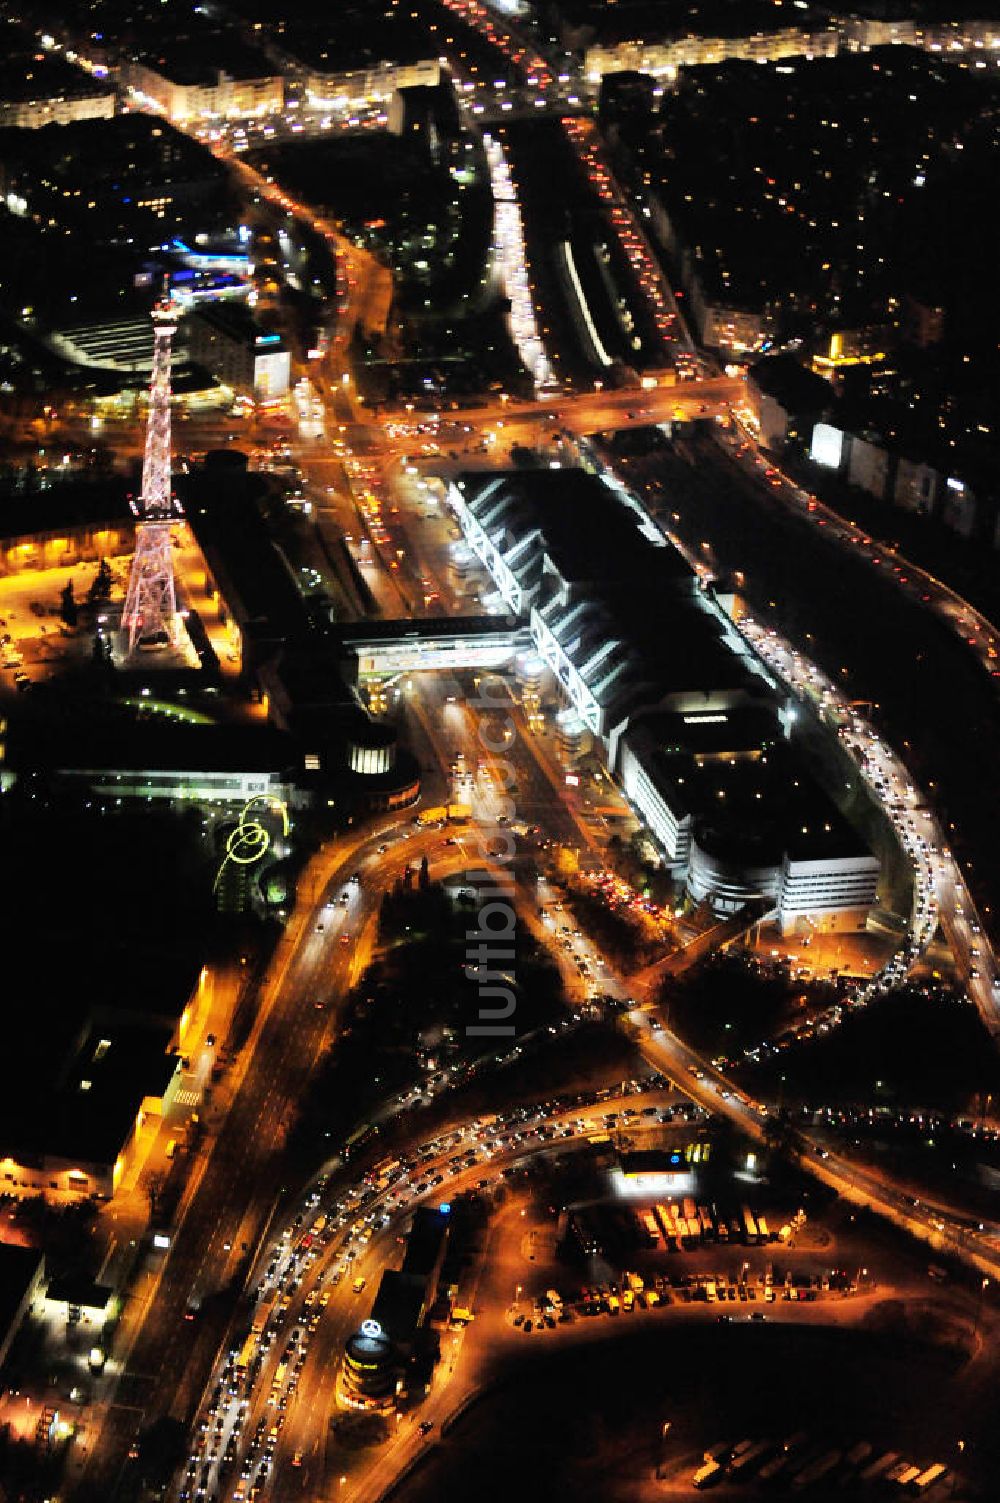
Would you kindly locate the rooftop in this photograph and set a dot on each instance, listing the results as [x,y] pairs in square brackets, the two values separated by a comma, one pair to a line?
[122,744]
[426,1241]
[28,74]
[717,733]
[127,153]
[582,526]
[236,321]
[795,388]
[94,1107]
[754,797]
[666,20]
[253,575]
[206,56]
[73,504]
[621,602]
[427,629]
[357,34]
[18,1269]
[72,1289]
[653,1161]
[399,1305]
[767,173]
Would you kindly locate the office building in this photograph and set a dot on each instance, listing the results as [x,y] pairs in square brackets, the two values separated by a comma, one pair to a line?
[117,1081]
[228,341]
[368,1373]
[786,400]
[376,1357]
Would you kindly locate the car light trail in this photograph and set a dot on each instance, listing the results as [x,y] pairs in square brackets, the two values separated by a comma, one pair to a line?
[602,353]
[508,238]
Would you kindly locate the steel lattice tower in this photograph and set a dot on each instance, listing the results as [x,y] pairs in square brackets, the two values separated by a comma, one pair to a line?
[150,613]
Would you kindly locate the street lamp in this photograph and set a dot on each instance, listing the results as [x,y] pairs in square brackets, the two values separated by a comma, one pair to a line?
[983,1286]
[664,1431]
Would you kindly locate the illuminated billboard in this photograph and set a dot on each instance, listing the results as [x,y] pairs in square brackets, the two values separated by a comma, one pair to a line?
[827,446]
[271,372]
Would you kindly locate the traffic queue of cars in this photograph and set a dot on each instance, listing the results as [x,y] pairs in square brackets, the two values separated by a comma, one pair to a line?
[237,1438]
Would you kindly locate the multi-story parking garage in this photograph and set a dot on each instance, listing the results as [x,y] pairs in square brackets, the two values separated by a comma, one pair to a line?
[690,720]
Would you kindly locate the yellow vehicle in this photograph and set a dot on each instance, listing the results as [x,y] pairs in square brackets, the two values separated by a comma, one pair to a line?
[434,816]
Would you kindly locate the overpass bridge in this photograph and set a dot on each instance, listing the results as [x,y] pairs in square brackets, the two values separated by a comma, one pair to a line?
[580,412]
[384,648]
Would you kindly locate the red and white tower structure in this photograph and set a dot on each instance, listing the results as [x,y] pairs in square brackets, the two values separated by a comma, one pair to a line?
[150,613]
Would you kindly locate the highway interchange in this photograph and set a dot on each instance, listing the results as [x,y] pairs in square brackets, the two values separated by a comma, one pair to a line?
[312,1275]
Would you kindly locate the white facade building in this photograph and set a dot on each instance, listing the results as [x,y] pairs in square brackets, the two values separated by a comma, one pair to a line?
[834,893]
[218,97]
[662,59]
[63,108]
[687,722]
[354,88]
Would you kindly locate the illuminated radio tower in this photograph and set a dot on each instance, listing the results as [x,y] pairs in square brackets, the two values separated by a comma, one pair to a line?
[150,614]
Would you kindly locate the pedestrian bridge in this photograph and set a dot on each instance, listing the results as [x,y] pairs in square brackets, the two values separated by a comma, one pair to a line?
[389,647]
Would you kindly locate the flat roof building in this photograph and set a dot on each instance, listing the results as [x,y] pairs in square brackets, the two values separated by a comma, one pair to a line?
[739,814]
[227,339]
[690,720]
[117,1082]
[362,57]
[71,1295]
[569,555]
[144,180]
[22,1273]
[42,88]
[206,75]
[79,523]
[786,398]
[426,1245]
[127,759]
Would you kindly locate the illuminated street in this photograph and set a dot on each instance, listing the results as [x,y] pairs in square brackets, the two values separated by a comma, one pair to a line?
[498,664]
